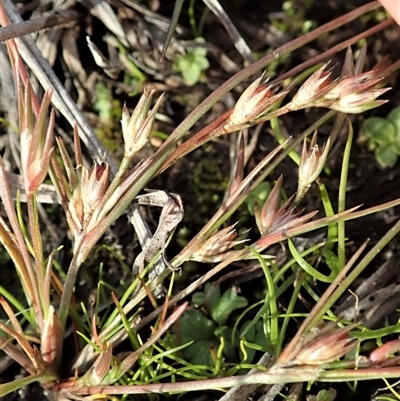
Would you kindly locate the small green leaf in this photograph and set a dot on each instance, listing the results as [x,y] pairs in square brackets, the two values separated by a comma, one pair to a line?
[326,395]
[259,194]
[200,52]
[394,117]
[229,302]
[250,332]
[331,259]
[261,340]
[386,156]
[192,64]
[396,144]
[198,299]
[213,295]
[186,61]
[191,74]
[210,296]
[379,130]
[193,325]
[199,352]
[200,58]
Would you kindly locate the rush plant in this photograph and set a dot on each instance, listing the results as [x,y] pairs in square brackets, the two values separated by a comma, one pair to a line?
[41,326]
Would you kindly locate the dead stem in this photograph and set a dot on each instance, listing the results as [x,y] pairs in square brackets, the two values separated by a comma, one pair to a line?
[50,20]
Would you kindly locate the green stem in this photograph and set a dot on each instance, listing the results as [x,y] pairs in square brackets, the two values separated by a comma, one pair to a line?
[17,384]
[123,168]
[342,199]
[21,258]
[34,228]
[69,286]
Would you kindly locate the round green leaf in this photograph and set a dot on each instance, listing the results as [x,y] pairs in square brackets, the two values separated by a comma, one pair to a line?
[186,61]
[394,117]
[193,325]
[191,74]
[327,395]
[331,259]
[198,299]
[386,156]
[396,144]
[229,302]
[379,130]
[213,296]
[199,52]
[260,194]
[201,61]
[199,352]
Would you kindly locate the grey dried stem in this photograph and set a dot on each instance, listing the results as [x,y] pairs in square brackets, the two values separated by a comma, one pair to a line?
[52,19]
